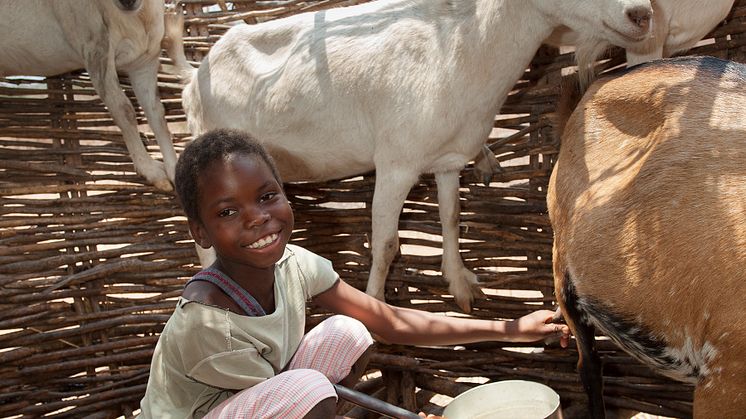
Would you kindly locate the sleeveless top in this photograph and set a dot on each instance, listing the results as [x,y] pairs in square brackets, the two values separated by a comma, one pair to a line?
[236,292]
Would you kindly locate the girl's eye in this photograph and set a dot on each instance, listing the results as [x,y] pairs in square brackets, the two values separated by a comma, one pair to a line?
[226,212]
[267,196]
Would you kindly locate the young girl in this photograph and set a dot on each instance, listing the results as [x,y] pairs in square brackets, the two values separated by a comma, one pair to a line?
[235,344]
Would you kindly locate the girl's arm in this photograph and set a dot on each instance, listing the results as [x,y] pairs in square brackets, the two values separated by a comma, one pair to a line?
[416,327]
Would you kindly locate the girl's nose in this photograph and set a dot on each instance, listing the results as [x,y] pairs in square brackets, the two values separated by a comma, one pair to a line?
[256,218]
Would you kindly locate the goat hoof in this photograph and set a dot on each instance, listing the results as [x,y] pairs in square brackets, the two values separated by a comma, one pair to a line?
[163,185]
[465,289]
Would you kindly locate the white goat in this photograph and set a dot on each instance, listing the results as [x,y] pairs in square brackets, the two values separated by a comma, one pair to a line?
[47,38]
[404,87]
[648,204]
[677,25]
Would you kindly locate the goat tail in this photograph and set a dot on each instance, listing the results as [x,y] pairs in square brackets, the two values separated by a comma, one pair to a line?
[173,43]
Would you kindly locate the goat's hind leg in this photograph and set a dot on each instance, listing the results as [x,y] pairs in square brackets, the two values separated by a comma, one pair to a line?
[462,282]
[589,362]
[145,84]
[99,62]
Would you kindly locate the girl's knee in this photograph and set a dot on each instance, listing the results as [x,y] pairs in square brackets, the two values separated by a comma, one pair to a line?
[303,382]
[348,328]
[346,323]
[312,388]
[291,394]
[332,347]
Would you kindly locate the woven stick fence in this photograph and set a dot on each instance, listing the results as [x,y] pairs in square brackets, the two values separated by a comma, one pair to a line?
[92,258]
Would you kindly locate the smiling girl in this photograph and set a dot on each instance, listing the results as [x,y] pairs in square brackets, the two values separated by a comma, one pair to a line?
[235,345]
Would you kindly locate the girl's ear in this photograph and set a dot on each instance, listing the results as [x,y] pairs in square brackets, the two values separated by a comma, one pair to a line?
[198,233]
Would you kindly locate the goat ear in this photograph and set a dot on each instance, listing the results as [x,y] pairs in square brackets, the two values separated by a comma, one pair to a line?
[198,234]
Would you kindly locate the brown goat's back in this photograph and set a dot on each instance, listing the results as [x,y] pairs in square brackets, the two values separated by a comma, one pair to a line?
[648,205]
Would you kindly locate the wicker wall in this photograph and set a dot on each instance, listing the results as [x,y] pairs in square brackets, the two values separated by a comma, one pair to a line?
[91,257]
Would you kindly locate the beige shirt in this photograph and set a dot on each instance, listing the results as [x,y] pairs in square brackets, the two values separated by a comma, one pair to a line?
[205,354]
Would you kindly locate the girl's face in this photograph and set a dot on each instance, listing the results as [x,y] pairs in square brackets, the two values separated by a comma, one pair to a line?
[243,213]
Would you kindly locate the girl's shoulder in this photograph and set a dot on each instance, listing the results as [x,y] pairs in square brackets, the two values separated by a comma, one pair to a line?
[306,261]
[310,271]
[299,253]
[208,294]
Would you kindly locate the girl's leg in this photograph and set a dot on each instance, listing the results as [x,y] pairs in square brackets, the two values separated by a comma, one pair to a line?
[338,347]
[335,351]
[300,393]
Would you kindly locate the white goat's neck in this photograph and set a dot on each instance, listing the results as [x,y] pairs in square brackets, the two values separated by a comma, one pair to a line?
[500,38]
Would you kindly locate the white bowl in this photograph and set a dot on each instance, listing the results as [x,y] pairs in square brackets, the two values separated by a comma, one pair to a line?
[510,399]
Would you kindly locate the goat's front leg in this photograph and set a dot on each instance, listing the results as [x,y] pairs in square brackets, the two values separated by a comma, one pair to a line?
[145,84]
[392,188]
[461,280]
[99,62]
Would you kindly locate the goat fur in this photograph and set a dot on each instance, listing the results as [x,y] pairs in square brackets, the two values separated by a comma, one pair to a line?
[677,25]
[404,87]
[647,201]
[47,38]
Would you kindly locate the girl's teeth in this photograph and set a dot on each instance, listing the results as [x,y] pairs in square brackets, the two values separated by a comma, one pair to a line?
[263,241]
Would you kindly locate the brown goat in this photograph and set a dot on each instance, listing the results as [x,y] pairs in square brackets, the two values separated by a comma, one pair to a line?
[648,205]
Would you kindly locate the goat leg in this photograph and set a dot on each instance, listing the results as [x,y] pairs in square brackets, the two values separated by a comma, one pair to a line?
[99,63]
[589,362]
[145,84]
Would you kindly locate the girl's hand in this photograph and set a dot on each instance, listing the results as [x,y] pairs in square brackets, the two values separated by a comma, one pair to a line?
[538,326]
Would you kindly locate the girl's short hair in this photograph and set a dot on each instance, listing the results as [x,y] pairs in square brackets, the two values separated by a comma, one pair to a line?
[215,145]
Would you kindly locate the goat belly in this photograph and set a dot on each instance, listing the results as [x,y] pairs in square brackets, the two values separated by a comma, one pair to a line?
[642,343]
